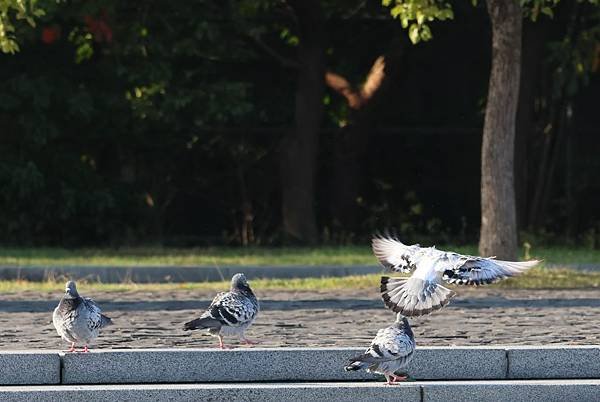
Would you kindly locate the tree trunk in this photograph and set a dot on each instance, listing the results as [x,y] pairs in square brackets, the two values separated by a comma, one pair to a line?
[299,146]
[498,212]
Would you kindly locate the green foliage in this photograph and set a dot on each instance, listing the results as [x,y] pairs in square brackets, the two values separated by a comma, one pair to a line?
[533,8]
[119,110]
[15,9]
[574,58]
[415,15]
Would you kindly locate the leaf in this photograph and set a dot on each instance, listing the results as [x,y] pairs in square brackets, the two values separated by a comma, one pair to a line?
[413,33]
[548,11]
[396,11]
[426,33]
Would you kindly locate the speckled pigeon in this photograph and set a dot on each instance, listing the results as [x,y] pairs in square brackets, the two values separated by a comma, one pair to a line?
[422,293]
[230,313]
[78,319]
[391,350]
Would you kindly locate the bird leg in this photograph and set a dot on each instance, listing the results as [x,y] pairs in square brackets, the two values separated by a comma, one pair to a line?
[389,379]
[248,341]
[72,348]
[221,344]
[85,349]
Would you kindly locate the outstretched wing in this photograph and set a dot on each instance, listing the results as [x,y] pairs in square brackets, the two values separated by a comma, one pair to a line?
[394,255]
[470,270]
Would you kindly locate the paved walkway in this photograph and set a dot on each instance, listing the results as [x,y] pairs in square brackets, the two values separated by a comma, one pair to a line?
[475,317]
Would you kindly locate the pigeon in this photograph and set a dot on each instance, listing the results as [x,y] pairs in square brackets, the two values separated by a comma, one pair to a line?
[230,313]
[391,350]
[422,293]
[78,319]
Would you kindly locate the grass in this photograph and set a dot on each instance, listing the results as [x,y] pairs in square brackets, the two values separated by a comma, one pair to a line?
[218,256]
[537,278]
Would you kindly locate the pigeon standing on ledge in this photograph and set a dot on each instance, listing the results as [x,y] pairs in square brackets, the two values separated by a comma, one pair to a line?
[230,313]
[78,319]
[391,350]
[422,293]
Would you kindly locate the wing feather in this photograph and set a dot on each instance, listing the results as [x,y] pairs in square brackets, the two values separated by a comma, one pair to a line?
[231,309]
[471,270]
[394,255]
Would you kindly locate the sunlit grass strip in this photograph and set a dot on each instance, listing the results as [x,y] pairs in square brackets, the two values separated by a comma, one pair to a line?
[538,278]
[219,256]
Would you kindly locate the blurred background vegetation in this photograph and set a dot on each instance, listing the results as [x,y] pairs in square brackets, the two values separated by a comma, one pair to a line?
[168,123]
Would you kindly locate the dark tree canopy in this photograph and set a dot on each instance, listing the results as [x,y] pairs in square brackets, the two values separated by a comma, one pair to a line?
[125,123]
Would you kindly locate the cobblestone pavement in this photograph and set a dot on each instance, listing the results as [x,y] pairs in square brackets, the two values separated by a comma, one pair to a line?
[346,318]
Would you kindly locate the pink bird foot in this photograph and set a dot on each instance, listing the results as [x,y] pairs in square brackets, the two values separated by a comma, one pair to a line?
[221,344]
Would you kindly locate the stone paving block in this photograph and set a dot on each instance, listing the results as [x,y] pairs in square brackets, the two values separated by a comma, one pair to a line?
[209,365]
[554,362]
[305,392]
[22,367]
[513,391]
[454,363]
[262,364]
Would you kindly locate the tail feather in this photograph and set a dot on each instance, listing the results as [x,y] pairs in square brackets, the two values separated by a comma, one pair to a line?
[413,297]
[355,365]
[105,321]
[201,323]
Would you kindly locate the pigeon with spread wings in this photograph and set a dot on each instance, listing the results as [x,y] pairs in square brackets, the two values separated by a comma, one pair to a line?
[422,293]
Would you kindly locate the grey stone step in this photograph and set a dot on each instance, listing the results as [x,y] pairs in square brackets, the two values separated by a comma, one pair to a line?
[515,390]
[291,364]
[25,367]
[265,364]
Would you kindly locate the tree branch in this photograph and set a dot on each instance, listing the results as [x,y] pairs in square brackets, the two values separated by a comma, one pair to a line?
[284,61]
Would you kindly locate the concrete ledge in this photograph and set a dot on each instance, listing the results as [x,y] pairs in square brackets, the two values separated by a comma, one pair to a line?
[157,274]
[554,362]
[336,392]
[209,365]
[290,364]
[29,368]
[514,391]
[260,364]
[458,363]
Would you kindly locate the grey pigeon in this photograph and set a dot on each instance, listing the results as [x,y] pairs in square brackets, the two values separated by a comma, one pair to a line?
[391,350]
[230,313]
[78,319]
[422,293]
